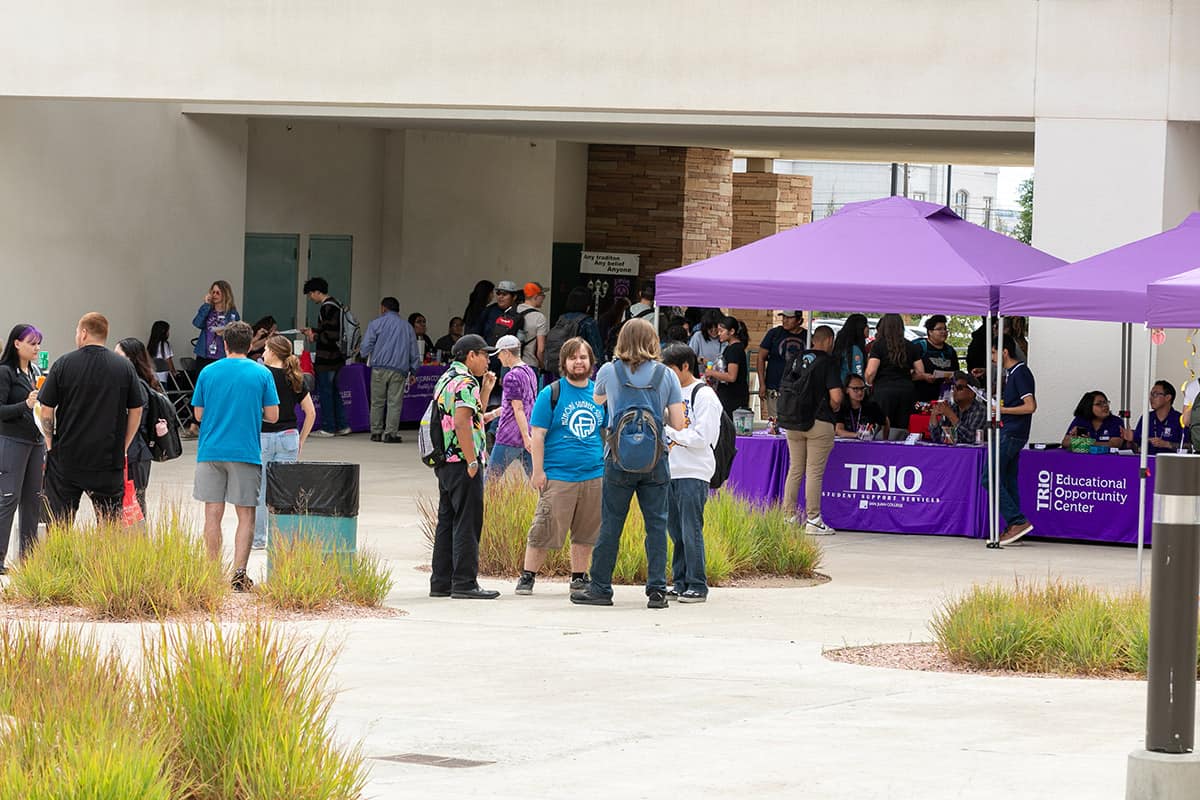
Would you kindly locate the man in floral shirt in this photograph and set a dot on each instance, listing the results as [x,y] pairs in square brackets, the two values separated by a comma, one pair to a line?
[462,395]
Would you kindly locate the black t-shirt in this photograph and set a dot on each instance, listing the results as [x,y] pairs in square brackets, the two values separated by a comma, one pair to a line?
[826,375]
[943,359]
[869,414]
[779,347]
[890,372]
[288,400]
[735,394]
[91,391]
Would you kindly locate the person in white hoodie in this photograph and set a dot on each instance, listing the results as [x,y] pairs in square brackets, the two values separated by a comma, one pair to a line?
[693,463]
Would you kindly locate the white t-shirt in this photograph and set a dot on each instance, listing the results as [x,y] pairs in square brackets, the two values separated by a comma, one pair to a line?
[536,325]
[638,308]
[692,453]
[1189,394]
[164,353]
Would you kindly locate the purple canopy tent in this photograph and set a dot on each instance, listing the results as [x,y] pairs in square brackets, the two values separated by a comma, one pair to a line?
[1174,302]
[892,255]
[1154,281]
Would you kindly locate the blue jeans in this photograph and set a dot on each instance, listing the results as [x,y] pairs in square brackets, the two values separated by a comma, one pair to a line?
[333,415]
[652,489]
[685,524]
[505,454]
[283,446]
[1010,500]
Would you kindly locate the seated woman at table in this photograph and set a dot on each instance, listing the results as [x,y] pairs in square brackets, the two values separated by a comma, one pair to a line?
[1167,432]
[860,418]
[1093,421]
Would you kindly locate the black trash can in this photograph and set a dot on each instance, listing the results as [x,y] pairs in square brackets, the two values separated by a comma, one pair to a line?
[316,500]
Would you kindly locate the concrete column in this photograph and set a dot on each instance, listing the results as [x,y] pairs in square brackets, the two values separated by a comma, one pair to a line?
[1100,184]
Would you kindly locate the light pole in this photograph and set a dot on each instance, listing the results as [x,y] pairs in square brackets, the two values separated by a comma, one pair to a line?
[1168,769]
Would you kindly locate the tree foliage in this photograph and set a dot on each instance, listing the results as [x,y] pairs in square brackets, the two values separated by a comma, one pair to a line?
[1024,229]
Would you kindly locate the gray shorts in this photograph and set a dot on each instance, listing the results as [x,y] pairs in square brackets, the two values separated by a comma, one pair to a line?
[227,482]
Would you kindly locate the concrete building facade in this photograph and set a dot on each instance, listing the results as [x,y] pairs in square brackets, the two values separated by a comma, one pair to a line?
[142,141]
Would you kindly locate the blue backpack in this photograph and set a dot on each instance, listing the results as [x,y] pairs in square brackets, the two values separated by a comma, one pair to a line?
[636,439]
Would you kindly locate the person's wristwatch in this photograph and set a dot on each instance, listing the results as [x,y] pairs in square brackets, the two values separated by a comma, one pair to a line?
[474,464]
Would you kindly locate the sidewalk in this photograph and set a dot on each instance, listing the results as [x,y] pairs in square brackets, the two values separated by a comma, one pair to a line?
[731,698]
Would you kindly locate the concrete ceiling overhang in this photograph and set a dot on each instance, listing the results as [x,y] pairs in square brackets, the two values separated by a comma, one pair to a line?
[1000,142]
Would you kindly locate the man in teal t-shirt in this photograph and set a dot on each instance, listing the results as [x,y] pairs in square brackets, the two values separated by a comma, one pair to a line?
[568,466]
[233,397]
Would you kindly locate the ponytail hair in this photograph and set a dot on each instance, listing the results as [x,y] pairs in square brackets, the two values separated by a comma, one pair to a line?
[281,348]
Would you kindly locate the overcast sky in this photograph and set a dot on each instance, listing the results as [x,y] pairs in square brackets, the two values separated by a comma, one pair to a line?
[1006,186]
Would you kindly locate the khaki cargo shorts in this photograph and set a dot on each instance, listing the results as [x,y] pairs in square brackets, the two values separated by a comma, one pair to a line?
[562,506]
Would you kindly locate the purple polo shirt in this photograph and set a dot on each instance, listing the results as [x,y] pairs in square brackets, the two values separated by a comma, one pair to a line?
[1170,429]
[1110,428]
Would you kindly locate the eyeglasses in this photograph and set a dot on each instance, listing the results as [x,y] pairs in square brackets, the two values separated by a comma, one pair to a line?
[856,388]
[1100,403]
[940,329]
[1158,394]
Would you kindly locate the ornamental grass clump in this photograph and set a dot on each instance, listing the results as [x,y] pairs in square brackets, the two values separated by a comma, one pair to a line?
[741,539]
[1060,627]
[304,577]
[71,723]
[249,714]
[143,572]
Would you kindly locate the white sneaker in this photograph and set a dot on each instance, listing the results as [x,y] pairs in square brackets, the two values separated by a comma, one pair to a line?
[344,432]
[817,527]
[792,520]
[322,434]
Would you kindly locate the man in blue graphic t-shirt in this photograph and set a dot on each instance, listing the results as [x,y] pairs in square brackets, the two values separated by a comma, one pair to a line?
[1017,404]
[568,467]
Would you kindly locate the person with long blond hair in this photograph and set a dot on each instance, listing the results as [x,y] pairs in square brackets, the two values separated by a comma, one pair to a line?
[218,310]
[633,384]
[280,440]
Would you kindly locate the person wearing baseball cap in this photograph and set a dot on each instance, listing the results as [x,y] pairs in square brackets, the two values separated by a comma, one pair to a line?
[536,327]
[462,394]
[777,349]
[519,390]
[506,298]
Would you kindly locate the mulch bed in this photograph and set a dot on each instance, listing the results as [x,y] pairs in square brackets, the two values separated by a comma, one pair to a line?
[927,657]
[236,608]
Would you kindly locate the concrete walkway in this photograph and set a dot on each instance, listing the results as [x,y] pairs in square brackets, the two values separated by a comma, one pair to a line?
[727,699]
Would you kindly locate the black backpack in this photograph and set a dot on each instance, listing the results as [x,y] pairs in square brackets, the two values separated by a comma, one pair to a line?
[566,327]
[431,439]
[510,323]
[726,447]
[800,391]
[158,406]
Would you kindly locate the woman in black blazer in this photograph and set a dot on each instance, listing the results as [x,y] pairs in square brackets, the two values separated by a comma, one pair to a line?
[22,446]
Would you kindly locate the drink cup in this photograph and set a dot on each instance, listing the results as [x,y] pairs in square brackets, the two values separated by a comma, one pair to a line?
[40,381]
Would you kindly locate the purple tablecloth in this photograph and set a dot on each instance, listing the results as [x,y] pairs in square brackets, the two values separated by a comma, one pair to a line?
[1089,497]
[891,487]
[354,385]
[876,486]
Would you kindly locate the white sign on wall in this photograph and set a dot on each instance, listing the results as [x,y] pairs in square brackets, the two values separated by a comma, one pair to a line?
[594,263]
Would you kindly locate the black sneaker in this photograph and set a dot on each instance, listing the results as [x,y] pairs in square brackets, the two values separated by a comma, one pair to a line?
[376,437]
[657,600]
[241,581]
[672,593]
[525,583]
[585,597]
[581,583]
[393,438]
[692,596]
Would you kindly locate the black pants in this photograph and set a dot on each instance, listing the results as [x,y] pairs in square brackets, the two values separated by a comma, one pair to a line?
[896,400]
[64,488]
[459,525]
[20,489]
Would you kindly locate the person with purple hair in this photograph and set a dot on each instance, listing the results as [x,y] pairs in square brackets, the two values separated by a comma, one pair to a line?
[22,448]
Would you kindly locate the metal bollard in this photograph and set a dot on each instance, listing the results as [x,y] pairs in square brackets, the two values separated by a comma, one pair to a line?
[1174,582]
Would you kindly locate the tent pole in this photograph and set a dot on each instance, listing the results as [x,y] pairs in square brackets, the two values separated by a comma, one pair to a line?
[999,423]
[1143,459]
[1124,367]
[991,431]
